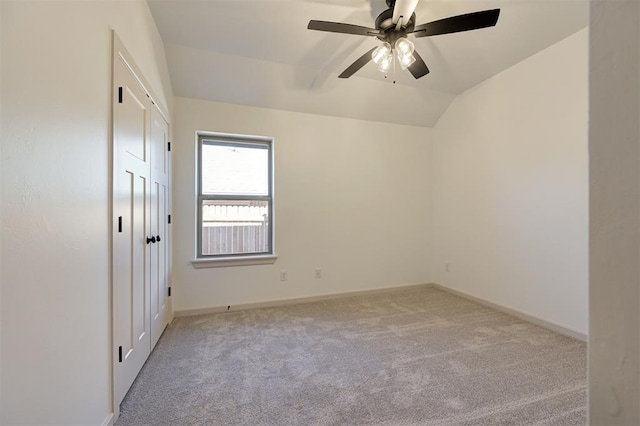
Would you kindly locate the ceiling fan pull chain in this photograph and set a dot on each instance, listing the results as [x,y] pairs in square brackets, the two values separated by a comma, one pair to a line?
[394,68]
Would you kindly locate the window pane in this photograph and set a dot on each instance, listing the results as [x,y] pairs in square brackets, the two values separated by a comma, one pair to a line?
[235,227]
[235,169]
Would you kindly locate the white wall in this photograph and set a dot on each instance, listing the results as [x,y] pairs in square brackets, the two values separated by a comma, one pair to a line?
[1,203]
[56,78]
[614,173]
[351,198]
[509,167]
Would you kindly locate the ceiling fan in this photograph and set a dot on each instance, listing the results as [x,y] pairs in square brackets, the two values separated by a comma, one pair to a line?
[392,28]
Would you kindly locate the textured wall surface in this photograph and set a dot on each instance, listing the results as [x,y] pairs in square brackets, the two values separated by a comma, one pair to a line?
[56,91]
[509,168]
[614,173]
[351,198]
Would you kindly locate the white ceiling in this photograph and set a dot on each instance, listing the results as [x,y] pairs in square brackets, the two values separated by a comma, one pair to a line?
[260,53]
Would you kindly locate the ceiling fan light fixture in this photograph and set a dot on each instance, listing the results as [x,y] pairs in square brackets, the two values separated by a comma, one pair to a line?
[385,63]
[405,60]
[404,46]
[381,52]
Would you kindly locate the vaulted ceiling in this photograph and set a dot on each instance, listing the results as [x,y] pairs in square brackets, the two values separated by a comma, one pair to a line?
[260,53]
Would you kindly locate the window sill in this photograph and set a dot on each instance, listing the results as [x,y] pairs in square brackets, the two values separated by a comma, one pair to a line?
[220,262]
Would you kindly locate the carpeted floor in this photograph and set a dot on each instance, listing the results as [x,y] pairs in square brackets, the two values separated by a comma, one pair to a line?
[417,356]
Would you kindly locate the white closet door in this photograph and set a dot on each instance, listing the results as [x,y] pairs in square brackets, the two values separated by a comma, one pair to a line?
[132,185]
[159,224]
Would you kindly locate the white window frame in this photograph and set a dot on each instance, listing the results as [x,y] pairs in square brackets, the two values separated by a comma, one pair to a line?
[238,259]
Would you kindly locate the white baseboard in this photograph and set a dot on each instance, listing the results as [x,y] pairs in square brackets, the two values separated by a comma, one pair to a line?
[284,302]
[108,421]
[558,328]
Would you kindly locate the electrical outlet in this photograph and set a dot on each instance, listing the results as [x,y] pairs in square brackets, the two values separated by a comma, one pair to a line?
[284,275]
[447,267]
[318,273]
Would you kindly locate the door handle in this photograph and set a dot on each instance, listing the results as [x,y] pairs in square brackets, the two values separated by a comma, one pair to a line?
[151,240]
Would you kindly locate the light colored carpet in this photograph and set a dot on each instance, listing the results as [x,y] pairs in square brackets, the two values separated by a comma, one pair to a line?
[417,356]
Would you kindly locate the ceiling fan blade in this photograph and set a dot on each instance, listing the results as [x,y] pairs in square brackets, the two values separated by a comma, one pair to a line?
[418,68]
[359,63]
[404,9]
[339,27]
[455,24]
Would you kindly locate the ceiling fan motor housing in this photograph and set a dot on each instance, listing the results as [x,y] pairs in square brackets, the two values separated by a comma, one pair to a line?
[388,33]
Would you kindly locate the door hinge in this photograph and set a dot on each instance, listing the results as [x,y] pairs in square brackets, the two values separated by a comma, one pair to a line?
[169,291]
[169,219]
[119,223]
[120,94]
[120,354]
[168,146]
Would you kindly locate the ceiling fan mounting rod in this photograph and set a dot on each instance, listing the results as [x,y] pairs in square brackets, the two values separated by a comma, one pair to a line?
[399,24]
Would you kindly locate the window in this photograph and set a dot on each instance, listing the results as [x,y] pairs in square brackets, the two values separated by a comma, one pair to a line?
[235,197]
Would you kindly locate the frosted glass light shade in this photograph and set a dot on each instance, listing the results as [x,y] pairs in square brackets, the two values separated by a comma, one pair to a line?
[404,46]
[381,52]
[405,60]
[385,63]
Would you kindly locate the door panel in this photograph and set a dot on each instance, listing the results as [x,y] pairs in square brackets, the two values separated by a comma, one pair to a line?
[132,138]
[159,224]
[131,281]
